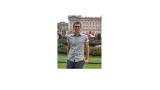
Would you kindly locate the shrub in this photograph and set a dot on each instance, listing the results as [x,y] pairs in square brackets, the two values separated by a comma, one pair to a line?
[64,37]
[94,38]
[94,51]
[62,41]
[62,50]
[94,42]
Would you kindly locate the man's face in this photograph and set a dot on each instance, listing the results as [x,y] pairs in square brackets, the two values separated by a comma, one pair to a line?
[77,28]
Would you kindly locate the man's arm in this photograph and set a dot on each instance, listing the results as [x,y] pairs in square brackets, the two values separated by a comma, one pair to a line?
[68,48]
[87,52]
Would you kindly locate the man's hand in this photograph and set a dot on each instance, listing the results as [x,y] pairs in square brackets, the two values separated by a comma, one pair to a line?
[85,61]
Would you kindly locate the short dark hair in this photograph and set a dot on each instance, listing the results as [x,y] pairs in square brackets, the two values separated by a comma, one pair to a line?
[77,23]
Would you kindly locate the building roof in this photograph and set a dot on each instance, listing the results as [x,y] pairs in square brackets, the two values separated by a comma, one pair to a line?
[80,17]
[63,23]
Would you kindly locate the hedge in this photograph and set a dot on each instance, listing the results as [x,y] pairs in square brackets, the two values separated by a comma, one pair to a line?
[94,38]
[92,42]
[64,41]
[94,51]
[62,50]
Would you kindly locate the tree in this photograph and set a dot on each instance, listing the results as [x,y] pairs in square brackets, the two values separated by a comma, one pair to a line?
[60,36]
[99,36]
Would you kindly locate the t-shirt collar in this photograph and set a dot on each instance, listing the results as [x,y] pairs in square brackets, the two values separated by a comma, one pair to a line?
[78,35]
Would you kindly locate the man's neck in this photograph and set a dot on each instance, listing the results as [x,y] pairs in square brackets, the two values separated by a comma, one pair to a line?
[76,34]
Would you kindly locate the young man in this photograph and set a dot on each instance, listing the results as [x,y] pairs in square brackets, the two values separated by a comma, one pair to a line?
[76,44]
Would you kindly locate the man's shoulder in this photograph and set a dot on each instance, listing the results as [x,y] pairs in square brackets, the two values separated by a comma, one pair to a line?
[84,35]
[70,35]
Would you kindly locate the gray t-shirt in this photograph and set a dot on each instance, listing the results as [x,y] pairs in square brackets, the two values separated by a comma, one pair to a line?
[77,44]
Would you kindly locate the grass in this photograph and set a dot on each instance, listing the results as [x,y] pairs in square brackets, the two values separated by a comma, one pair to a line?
[86,66]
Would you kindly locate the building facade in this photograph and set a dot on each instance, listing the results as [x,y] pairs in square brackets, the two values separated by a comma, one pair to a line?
[90,25]
[62,28]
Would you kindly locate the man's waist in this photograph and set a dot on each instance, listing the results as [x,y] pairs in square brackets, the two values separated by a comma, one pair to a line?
[75,60]
[76,54]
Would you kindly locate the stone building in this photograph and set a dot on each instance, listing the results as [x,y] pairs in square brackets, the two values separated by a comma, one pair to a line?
[90,25]
[62,28]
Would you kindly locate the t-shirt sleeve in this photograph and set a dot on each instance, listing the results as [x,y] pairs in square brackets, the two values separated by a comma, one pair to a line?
[86,39]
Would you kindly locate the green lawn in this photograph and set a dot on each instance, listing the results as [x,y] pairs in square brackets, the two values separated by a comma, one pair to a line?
[86,66]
